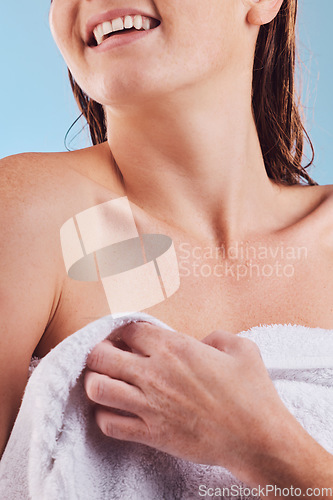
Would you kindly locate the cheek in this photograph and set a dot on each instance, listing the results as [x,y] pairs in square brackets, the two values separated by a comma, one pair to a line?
[203,37]
[199,50]
[63,20]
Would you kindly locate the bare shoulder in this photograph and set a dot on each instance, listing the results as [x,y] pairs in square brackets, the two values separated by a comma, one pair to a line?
[27,178]
[26,187]
[328,189]
[324,215]
[328,214]
[41,175]
[316,199]
[327,203]
[34,172]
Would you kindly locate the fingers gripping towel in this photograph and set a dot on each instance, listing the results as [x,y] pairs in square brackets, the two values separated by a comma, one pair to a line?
[57,452]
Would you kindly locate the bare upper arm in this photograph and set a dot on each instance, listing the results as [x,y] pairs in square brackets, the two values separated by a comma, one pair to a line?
[27,281]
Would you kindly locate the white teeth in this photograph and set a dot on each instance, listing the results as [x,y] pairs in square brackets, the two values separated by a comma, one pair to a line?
[146,23]
[99,39]
[119,24]
[100,31]
[107,28]
[137,22]
[128,22]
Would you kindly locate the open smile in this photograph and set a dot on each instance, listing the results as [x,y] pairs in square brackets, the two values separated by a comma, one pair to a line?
[121,26]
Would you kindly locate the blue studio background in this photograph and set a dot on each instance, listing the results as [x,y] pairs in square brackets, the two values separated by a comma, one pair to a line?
[37,106]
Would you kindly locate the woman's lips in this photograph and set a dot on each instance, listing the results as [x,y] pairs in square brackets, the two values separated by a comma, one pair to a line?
[112,14]
[122,38]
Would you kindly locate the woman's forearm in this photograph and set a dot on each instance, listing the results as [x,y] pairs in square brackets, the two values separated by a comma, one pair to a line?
[292,464]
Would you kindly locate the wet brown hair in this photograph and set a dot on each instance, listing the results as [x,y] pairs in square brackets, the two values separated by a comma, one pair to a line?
[276,110]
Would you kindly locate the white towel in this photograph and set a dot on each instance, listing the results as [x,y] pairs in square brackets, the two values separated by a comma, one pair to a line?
[57,452]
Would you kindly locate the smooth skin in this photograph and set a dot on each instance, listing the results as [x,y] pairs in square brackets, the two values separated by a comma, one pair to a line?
[178,107]
[180,126]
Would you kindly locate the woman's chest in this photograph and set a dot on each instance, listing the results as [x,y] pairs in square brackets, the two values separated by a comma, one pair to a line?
[204,288]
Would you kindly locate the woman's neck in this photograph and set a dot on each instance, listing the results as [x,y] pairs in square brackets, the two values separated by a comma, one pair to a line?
[193,160]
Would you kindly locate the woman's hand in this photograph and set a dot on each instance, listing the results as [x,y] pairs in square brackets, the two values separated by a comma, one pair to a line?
[209,402]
